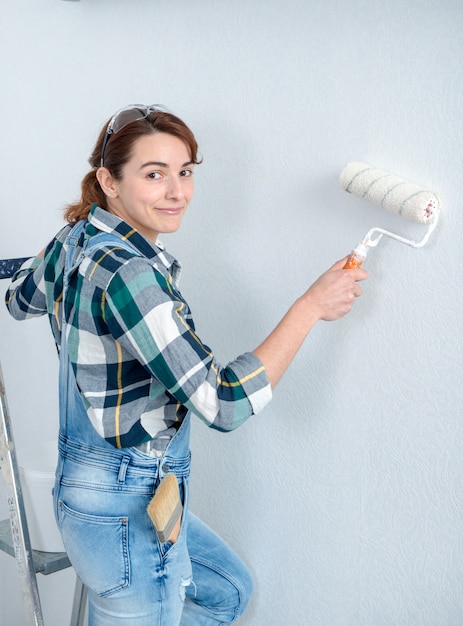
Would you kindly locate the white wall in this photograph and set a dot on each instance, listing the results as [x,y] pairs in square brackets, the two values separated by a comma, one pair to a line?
[345,495]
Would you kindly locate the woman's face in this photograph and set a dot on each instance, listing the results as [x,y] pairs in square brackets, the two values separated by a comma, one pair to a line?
[156,185]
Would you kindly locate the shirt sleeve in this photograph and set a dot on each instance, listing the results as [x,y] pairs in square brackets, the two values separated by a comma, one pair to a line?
[25,298]
[36,288]
[152,322]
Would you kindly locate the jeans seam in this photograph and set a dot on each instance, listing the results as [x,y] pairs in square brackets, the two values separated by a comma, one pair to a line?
[224,573]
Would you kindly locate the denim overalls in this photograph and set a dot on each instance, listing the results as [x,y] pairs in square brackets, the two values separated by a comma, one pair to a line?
[101,494]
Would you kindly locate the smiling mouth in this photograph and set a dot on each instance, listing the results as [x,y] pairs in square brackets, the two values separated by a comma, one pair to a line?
[170,211]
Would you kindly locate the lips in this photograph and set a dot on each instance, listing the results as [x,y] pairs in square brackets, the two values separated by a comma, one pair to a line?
[170,211]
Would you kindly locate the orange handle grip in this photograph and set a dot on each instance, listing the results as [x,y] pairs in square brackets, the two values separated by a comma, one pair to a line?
[353,262]
[356,258]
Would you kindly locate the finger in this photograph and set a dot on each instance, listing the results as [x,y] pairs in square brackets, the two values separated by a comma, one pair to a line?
[359,274]
[339,264]
[356,274]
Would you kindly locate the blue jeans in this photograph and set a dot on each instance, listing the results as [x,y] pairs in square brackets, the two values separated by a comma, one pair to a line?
[100,497]
[133,579]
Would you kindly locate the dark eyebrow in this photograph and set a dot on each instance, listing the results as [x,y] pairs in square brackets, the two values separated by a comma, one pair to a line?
[161,164]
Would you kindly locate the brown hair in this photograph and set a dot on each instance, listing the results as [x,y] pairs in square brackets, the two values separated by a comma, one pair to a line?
[118,151]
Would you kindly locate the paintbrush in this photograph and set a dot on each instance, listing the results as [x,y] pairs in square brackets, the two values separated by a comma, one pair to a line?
[165,509]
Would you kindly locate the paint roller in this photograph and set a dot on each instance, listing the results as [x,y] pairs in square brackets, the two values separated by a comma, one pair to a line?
[395,194]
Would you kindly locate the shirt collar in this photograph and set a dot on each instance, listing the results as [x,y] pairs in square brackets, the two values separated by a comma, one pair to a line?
[107,222]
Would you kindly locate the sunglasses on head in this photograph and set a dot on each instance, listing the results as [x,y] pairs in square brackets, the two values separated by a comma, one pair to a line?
[125,116]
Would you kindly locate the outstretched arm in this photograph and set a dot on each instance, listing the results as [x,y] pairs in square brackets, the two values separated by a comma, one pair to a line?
[330,297]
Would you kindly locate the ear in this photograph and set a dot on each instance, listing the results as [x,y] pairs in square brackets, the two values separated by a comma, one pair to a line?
[107,182]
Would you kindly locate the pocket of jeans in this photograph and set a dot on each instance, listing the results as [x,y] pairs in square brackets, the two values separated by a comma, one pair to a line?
[98,549]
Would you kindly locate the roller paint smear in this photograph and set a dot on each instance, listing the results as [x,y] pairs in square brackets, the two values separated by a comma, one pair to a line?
[391,192]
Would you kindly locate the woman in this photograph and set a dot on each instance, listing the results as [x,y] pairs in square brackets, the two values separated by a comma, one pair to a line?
[132,371]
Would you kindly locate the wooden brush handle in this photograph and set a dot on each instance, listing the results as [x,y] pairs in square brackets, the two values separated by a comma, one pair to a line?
[165,509]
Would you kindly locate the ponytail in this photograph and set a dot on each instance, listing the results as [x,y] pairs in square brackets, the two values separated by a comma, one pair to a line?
[91,194]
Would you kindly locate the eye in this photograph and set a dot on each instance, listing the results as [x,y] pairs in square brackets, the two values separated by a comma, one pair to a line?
[186,173]
[156,175]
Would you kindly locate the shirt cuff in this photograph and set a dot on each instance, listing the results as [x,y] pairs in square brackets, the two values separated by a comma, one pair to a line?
[252,375]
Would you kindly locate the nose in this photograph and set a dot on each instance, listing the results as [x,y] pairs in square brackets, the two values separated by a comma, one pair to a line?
[174,187]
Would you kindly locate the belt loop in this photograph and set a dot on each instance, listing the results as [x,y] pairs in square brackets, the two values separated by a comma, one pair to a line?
[123,469]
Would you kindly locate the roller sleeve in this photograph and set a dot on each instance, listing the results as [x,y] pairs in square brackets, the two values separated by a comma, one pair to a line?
[390,192]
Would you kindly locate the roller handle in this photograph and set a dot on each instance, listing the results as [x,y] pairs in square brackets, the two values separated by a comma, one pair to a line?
[356,258]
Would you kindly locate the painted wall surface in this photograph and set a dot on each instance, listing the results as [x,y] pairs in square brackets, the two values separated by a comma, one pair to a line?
[345,495]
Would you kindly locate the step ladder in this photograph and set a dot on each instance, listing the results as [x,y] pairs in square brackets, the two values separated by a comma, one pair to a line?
[14,533]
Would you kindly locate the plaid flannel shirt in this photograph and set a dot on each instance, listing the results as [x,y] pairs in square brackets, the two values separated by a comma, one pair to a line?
[138,362]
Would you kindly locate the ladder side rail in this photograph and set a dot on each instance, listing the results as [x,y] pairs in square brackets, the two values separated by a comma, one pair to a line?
[79,604]
[17,515]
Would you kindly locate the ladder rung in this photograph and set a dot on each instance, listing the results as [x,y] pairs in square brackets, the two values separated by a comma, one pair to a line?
[44,562]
